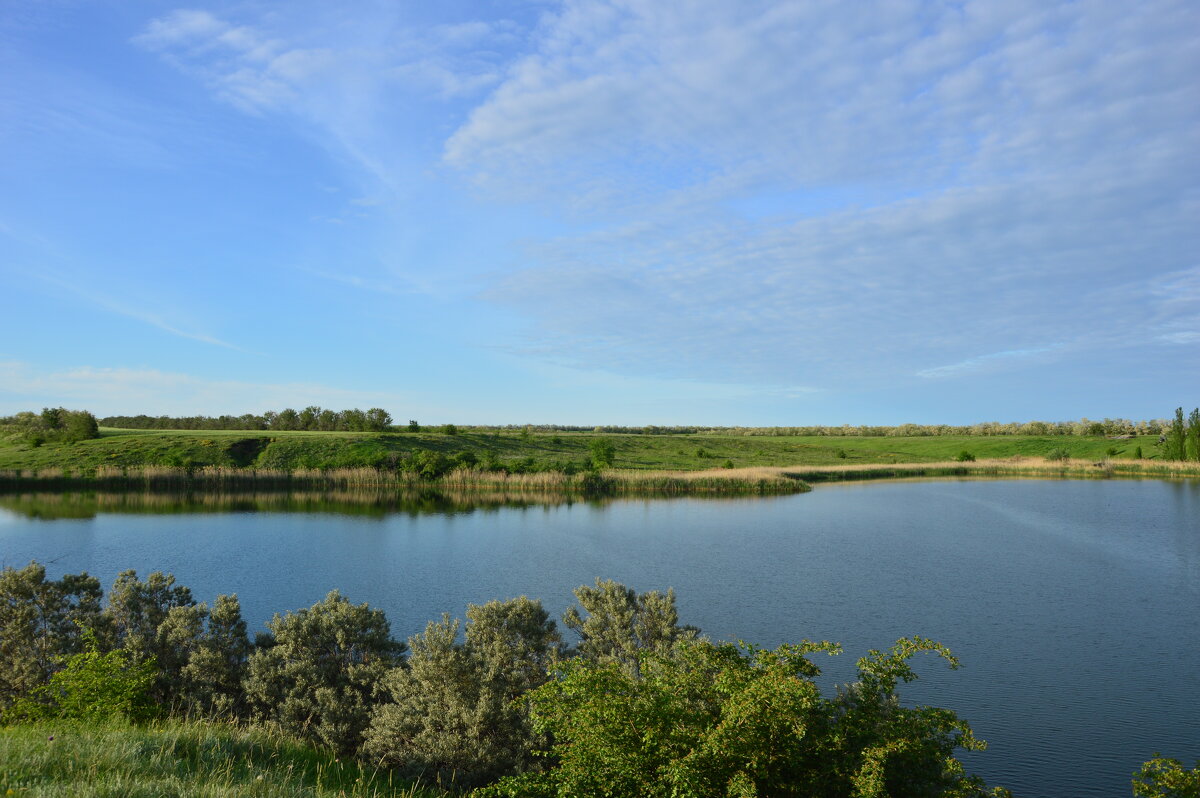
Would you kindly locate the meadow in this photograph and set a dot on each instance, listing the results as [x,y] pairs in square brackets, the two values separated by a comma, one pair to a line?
[535,451]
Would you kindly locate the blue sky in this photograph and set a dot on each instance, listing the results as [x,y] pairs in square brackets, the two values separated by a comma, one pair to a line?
[627,212]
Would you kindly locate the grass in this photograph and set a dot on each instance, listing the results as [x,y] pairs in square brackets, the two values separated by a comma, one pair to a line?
[226,479]
[288,451]
[180,758]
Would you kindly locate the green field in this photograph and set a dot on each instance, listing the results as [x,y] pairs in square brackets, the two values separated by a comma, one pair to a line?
[178,758]
[323,450]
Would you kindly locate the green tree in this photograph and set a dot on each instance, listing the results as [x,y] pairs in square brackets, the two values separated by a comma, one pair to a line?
[620,623]
[40,622]
[1192,448]
[455,713]
[318,672]
[414,425]
[378,419]
[603,452]
[1166,778]
[724,720]
[1174,440]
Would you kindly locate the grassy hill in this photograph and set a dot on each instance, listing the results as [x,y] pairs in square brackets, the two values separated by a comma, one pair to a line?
[292,450]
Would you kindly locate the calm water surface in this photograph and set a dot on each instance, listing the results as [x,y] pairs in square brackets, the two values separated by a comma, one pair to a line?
[1073,605]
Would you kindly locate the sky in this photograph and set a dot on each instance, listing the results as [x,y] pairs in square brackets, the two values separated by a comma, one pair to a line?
[583,212]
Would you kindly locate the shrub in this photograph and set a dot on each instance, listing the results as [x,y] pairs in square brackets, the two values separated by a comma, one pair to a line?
[318,672]
[457,713]
[965,457]
[1060,454]
[93,687]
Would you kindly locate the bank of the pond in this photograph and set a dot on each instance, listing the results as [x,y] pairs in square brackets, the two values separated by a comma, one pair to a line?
[611,482]
[1014,467]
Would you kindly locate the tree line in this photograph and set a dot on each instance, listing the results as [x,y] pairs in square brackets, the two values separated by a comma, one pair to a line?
[53,424]
[500,705]
[312,418]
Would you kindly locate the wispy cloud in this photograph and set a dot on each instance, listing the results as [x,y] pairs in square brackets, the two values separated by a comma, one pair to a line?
[143,315]
[118,391]
[985,361]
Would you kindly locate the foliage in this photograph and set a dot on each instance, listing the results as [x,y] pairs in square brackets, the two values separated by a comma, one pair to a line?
[93,687]
[53,424]
[317,674]
[40,622]
[456,713]
[620,624]
[724,720]
[964,457]
[311,418]
[603,452]
[1060,454]
[1166,778]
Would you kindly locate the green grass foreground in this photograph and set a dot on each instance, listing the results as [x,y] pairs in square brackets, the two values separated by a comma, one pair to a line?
[289,451]
[179,758]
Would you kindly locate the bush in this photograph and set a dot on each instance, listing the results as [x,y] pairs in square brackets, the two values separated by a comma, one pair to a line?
[318,673]
[1060,454]
[93,687]
[721,719]
[964,457]
[457,713]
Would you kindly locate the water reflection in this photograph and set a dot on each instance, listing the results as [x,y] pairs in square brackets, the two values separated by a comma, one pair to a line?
[50,506]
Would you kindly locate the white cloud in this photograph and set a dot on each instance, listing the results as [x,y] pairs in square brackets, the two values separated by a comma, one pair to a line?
[121,391]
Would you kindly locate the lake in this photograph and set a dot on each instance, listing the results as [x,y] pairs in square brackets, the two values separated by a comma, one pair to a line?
[1073,605]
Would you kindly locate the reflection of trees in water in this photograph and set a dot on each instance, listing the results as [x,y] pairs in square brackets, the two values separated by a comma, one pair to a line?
[369,503]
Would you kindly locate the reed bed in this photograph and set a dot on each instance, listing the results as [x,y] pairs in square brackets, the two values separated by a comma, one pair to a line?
[220,479]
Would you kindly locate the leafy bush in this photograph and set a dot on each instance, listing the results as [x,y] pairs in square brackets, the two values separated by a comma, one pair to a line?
[723,719]
[456,713]
[317,674]
[603,452]
[964,457]
[93,687]
[1166,778]
[1059,454]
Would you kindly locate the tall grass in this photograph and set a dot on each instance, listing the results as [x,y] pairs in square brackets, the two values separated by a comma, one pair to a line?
[180,758]
[222,478]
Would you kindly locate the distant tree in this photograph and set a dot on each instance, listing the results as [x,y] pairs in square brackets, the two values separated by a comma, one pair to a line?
[378,419]
[308,417]
[413,426]
[1192,449]
[318,672]
[1175,440]
[448,429]
[603,452]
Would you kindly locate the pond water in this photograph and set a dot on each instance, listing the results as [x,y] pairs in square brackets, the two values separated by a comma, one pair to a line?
[1073,605]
